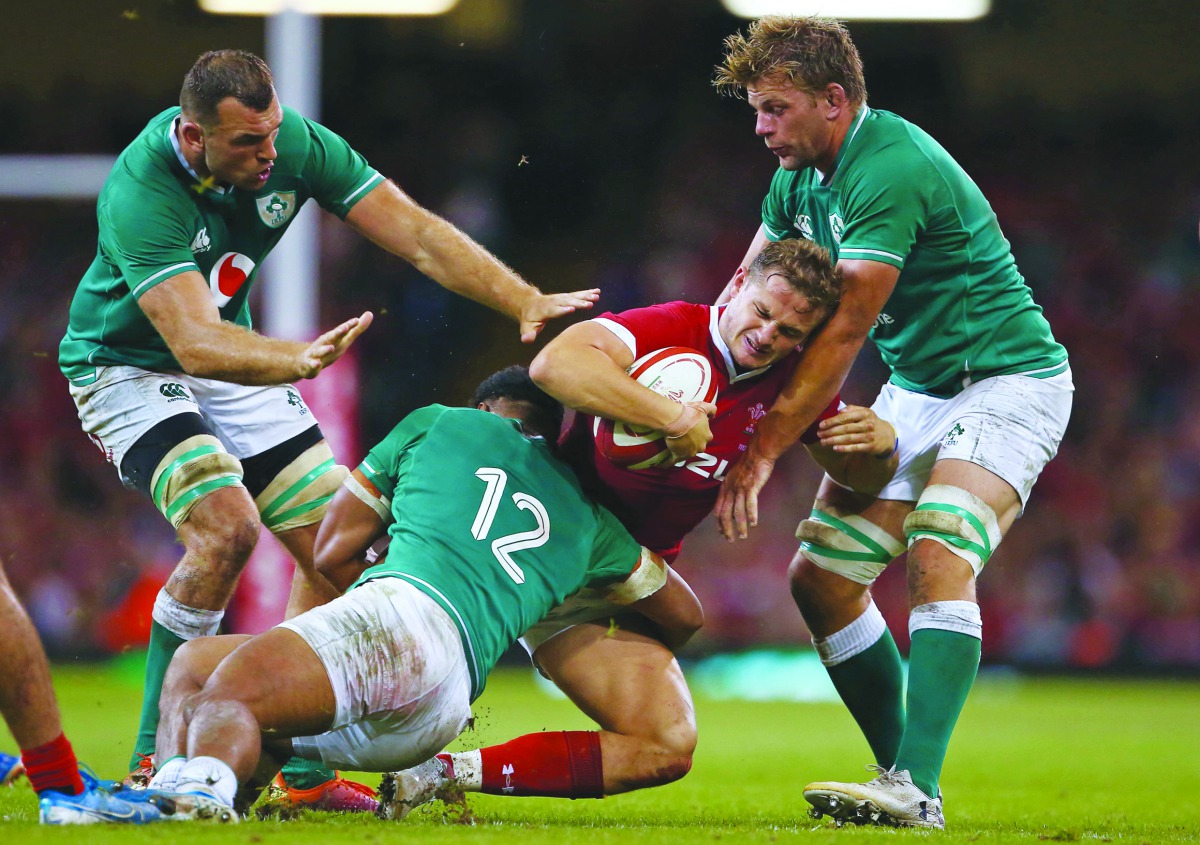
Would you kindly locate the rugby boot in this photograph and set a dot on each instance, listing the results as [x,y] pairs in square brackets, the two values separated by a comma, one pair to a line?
[891,798]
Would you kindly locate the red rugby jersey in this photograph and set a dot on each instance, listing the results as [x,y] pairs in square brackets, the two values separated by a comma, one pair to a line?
[661,505]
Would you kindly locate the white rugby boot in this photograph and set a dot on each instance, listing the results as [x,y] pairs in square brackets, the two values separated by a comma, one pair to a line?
[402,792]
[891,798]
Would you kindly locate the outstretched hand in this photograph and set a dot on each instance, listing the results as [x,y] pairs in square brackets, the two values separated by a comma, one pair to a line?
[330,346]
[737,504]
[547,306]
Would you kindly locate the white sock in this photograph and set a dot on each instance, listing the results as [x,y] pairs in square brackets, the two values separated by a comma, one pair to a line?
[468,770]
[185,622]
[167,775]
[961,617]
[854,639]
[209,776]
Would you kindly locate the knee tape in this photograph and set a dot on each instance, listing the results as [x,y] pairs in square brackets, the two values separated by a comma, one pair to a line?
[189,472]
[849,546]
[961,521]
[299,495]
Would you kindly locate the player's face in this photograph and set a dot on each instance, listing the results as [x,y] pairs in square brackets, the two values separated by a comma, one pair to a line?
[239,149]
[793,124]
[765,320]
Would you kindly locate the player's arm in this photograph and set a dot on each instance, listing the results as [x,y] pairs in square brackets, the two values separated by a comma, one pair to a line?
[585,369]
[857,448]
[182,310]
[826,361]
[756,245]
[390,218]
[659,593]
[356,518]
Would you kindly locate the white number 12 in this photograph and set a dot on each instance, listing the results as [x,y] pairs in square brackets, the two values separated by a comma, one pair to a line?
[503,547]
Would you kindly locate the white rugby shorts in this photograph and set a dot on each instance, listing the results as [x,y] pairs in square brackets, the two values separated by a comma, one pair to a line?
[399,676]
[1010,425]
[123,403]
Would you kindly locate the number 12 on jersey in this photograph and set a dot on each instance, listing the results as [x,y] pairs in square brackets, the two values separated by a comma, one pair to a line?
[503,547]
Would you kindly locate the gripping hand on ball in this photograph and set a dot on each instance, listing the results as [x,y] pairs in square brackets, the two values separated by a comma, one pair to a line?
[689,433]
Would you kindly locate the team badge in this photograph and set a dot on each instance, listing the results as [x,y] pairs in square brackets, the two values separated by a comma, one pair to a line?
[836,227]
[276,208]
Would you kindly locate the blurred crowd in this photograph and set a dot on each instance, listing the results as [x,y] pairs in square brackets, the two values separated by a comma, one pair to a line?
[652,194]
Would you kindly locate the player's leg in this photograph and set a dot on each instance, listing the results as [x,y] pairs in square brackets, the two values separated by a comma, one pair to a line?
[845,545]
[28,703]
[618,675]
[291,473]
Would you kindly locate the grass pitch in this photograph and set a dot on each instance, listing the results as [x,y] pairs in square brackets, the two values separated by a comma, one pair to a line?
[1033,760]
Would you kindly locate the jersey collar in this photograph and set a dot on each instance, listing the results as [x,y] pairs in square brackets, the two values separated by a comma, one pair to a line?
[825,178]
[714,317]
[174,139]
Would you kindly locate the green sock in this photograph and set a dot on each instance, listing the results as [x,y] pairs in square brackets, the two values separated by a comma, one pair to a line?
[163,645]
[871,684]
[941,669]
[299,773]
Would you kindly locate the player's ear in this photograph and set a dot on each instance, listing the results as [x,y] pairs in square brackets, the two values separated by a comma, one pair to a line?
[835,98]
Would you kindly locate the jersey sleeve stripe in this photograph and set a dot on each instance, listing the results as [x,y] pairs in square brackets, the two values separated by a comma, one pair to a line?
[375,177]
[173,269]
[623,334]
[772,234]
[857,250]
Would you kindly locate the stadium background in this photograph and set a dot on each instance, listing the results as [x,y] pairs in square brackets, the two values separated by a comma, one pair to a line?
[1076,117]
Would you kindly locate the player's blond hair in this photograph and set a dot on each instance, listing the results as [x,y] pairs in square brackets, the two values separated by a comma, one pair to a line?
[808,268]
[809,53]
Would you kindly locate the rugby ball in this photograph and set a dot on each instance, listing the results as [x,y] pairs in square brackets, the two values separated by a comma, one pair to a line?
[676,372]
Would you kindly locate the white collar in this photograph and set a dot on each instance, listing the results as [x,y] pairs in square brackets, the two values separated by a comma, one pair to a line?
[714,316]
[179,155]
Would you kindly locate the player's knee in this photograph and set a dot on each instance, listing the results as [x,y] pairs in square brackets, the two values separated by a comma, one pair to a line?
[227,543]
[668,754]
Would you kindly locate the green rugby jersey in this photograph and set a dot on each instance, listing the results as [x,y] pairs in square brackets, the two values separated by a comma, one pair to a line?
[960,311]
[157,219]
[490,525]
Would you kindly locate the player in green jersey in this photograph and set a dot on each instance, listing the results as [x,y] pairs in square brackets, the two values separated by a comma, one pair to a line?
[193,407]
[979,395]
[488,530]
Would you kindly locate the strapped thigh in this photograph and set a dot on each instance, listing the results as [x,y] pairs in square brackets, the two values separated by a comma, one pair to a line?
[957,519]
[299,493]
[849,545]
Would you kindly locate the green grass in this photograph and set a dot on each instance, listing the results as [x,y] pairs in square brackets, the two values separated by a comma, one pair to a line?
[1032,760]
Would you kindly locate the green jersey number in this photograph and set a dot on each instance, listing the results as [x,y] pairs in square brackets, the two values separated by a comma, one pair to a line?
[503,547]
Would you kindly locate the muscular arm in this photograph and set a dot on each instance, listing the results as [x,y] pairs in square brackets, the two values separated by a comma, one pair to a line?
[390,218]
[182,310]
[349,528]
[814,383]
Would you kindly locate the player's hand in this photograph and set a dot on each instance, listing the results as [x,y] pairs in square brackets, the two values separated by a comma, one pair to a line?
[737,504]
[547,306]
[330,346]
[687,436]
[857,429]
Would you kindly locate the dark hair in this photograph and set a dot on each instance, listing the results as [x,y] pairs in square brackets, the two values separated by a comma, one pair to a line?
[226,73]
[545,415]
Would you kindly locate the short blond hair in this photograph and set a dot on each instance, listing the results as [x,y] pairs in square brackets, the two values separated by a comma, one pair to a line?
[807,267]
[809,53]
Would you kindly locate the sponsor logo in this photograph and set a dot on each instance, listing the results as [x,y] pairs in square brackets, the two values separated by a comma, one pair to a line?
[883,320]
[953,434]
[804,226]
[836,226]
[174,391]
[276,208]
[228,275]
[201,243]
[507,771]
[296,401]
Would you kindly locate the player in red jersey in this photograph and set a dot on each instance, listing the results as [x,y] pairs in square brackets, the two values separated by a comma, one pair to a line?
[614,666]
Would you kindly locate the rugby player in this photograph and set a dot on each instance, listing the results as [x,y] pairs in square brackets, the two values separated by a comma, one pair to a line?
[979,393]
[488,531]
[190,405]
[615,668]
